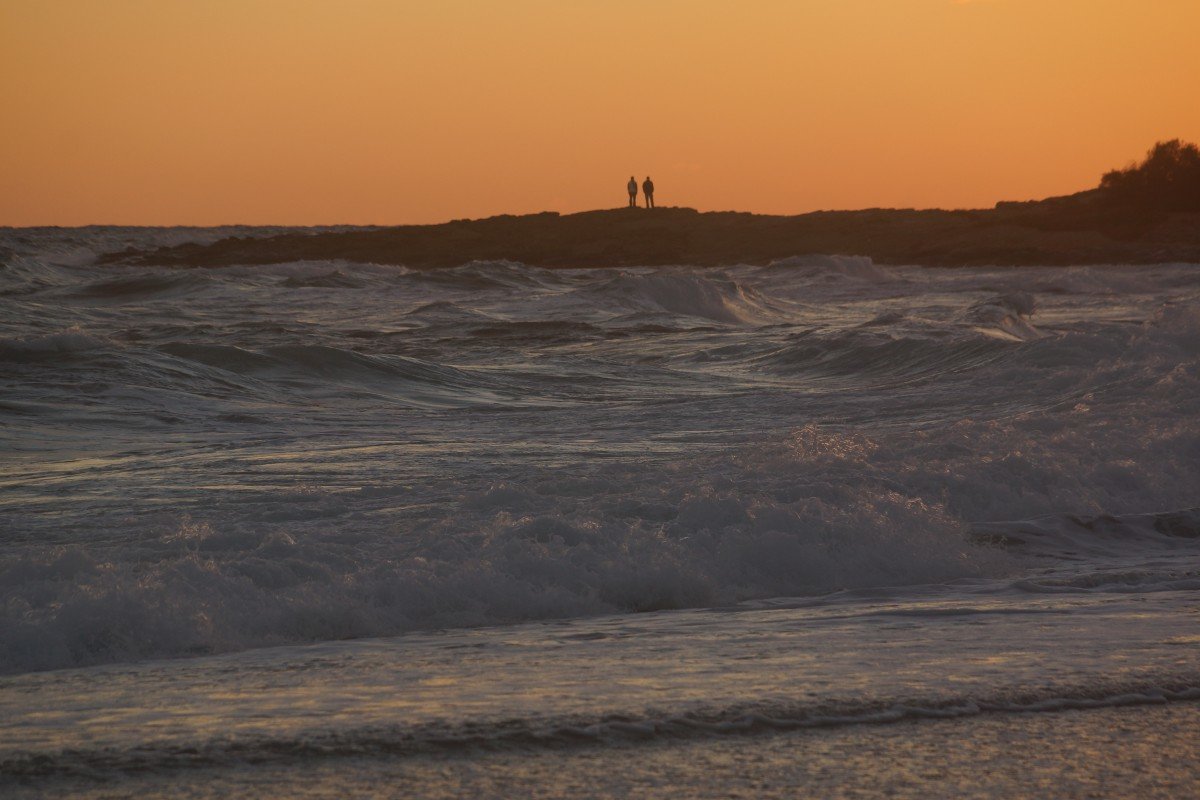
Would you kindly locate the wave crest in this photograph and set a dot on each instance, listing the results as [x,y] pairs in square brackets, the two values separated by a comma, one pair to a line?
[50,346]
[719,299]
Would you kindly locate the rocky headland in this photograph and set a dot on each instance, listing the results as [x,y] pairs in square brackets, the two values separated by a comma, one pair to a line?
[1148,213]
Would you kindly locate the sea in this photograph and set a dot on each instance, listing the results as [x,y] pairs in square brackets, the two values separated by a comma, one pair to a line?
[329,528]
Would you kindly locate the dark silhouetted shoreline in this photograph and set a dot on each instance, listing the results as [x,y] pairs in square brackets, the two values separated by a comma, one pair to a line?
[1147,213]
[1053,232]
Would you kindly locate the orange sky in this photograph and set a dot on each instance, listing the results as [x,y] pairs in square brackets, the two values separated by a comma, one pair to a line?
[393,111]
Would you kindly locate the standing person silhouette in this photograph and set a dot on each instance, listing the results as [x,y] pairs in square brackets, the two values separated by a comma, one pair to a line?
[632,192]
[648,190]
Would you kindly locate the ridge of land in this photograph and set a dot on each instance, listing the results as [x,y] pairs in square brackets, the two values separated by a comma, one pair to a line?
[1083,228]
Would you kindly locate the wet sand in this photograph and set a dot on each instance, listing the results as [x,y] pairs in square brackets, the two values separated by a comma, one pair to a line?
[1143,752]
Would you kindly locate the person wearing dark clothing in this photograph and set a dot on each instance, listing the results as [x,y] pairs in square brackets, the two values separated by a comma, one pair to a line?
[648,190]
[632,192]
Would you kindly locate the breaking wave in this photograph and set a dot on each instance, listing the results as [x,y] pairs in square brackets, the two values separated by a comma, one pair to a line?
[1006,315]
[279,571]
[819,513]
[712,298]
[49,346]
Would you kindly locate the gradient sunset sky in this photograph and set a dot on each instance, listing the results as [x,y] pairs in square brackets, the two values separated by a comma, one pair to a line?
[205,112]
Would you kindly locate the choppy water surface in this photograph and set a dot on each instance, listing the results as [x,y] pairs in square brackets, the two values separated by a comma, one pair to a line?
[206,461]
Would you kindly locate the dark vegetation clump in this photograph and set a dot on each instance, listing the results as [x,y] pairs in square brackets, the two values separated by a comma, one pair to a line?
[1167,180]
